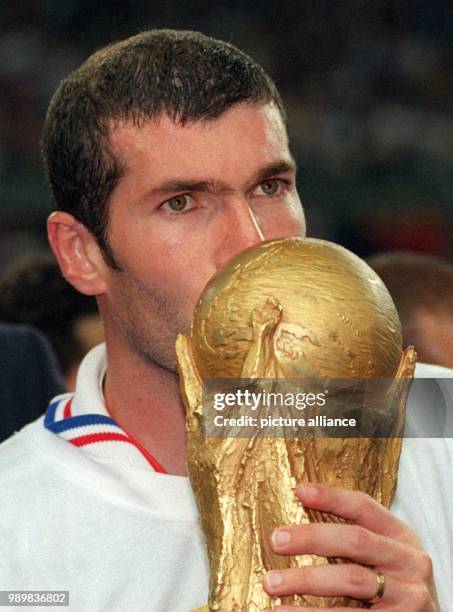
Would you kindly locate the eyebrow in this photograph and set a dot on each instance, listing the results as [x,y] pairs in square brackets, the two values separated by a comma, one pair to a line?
[173,186]
[282,167]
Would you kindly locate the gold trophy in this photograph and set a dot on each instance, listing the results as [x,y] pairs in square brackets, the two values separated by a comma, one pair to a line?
[287,309]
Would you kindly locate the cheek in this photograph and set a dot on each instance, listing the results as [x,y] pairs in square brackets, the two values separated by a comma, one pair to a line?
[285,222]
[297,216]
[296,210]
[184,272]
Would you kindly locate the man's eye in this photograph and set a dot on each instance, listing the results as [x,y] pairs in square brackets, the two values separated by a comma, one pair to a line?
[178,204]
[271,187]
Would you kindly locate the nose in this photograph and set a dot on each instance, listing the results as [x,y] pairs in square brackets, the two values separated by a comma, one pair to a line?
[240,230]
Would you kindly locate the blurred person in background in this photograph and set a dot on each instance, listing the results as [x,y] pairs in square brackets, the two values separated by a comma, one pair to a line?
[422,288]
[29,377]
[34,292]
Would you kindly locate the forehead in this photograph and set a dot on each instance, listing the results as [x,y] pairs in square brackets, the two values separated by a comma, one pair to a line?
[244,133]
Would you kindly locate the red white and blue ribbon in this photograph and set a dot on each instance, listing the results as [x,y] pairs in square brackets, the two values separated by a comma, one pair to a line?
[90,429]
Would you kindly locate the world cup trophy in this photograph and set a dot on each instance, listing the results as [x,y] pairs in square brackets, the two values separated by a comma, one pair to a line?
[301,309]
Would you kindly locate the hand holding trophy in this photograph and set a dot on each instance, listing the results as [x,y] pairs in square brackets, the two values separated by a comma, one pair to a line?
[287,309]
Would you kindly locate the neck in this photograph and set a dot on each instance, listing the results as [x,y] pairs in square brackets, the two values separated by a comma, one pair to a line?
[144,400]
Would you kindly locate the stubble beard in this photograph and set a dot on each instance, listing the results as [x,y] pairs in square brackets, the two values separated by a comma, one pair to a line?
[149,322]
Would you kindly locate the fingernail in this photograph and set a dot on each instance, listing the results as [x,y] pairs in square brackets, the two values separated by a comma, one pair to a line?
[308,491]
[274,579]
[280,537]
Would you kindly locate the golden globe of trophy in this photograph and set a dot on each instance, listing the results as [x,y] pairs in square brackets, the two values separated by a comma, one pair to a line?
[286,309]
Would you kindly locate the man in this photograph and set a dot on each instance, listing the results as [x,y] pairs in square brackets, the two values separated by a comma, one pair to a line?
[422,288]
[33,290]
[167,154]
[29,377]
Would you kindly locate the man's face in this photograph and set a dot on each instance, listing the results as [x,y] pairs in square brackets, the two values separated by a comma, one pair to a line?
[191,198]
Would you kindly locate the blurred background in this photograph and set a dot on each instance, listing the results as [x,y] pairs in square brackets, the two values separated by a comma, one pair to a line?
[368,85]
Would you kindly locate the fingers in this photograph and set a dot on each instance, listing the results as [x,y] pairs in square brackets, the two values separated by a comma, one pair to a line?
[351,581]
[375,537]
[331,580]
[357,507]
[352,542]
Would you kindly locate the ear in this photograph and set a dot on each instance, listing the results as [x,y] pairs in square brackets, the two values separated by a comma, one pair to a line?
[78,253]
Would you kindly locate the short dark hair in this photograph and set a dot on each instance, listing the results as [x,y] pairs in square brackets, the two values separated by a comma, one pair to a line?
[186,75]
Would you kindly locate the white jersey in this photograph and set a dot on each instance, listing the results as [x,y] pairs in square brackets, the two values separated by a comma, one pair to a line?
[85,510]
